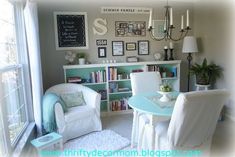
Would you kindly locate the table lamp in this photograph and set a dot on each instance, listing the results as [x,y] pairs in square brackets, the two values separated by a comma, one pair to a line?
[189,46]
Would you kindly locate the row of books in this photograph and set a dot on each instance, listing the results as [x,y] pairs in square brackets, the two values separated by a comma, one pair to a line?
[118,105]
[165,72]
[112,73]
[98,76]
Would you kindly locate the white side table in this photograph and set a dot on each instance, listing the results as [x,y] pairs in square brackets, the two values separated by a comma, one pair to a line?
[203,87]
[47,141]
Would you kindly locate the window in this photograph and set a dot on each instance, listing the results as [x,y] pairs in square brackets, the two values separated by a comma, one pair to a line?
[13,102]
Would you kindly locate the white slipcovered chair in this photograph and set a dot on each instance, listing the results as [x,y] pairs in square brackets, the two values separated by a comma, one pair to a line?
[193,122]
[78,120]
[142,82]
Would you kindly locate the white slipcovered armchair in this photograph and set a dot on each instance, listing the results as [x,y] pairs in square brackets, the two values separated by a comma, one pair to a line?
[78,120]
[192,124]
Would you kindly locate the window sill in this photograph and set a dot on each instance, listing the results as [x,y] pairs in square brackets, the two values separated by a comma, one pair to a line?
[29,133]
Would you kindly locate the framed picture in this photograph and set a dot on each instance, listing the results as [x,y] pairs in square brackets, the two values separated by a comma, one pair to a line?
[101,52]
[71,30]
[143,47]
[130,28]
[132,59]
[118,48]
[101,42]
[131,46]
[158,30]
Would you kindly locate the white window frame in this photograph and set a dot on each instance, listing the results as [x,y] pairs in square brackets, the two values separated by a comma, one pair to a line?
[23,66]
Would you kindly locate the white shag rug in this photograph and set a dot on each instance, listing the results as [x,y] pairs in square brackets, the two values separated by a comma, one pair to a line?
[103,140]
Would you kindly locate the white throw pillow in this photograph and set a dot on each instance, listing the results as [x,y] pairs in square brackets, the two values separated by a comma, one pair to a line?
[73,99]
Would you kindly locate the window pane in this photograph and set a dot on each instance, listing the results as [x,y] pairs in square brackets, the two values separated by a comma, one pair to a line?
[13,100]
[7,11]
[2,143]
[8,52]
[17,124]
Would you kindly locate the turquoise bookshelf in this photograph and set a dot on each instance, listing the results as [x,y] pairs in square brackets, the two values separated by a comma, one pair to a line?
[118,89]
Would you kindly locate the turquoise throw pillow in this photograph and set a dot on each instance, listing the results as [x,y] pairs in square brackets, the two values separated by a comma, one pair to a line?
[73,99]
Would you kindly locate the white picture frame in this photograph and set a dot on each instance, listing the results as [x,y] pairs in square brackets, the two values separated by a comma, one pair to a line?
[79,43]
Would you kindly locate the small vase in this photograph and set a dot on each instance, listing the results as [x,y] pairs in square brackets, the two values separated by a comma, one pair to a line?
[81,61]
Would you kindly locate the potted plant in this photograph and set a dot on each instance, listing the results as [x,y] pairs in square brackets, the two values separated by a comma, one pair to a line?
[81,58]
[206,73]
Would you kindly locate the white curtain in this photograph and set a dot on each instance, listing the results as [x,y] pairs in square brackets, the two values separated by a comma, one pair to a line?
[32,34]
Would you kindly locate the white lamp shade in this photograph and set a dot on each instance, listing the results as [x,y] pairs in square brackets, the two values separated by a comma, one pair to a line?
[189,45]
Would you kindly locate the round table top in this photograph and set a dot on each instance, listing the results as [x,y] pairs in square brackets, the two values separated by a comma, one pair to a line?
[143,103]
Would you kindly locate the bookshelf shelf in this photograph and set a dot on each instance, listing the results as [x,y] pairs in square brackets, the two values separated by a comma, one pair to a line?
[88,84]
[108,78]
[127,92]
[120,80]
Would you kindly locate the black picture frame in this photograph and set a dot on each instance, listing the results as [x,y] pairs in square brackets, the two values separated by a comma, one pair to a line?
[131,46]
[143,47]
[76,37]
[118,48]
[102,52]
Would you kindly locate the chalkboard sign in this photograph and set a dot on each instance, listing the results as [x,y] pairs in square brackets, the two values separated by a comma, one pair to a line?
[71,30]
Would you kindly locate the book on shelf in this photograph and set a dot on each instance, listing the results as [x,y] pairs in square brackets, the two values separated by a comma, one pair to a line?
[119,105]
[165,72]
[74,79]
[153,68]
[112,73]
[98,76]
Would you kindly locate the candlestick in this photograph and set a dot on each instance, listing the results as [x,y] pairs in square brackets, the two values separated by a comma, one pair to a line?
[171,54]
[187,22]
[166,56]
[182,22]
[171,16]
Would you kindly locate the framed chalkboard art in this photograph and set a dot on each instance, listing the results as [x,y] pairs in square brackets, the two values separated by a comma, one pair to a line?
[71,30]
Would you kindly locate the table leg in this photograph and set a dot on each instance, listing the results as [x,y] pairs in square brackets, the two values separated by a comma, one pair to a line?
[133,133]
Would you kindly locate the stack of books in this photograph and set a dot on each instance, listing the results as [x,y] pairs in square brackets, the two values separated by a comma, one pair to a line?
[74,79]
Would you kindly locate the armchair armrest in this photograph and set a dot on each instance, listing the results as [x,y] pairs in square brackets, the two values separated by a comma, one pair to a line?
[92,98]
[59,116]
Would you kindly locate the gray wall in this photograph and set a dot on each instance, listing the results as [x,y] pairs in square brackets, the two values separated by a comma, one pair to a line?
[213,28]
[52,60]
